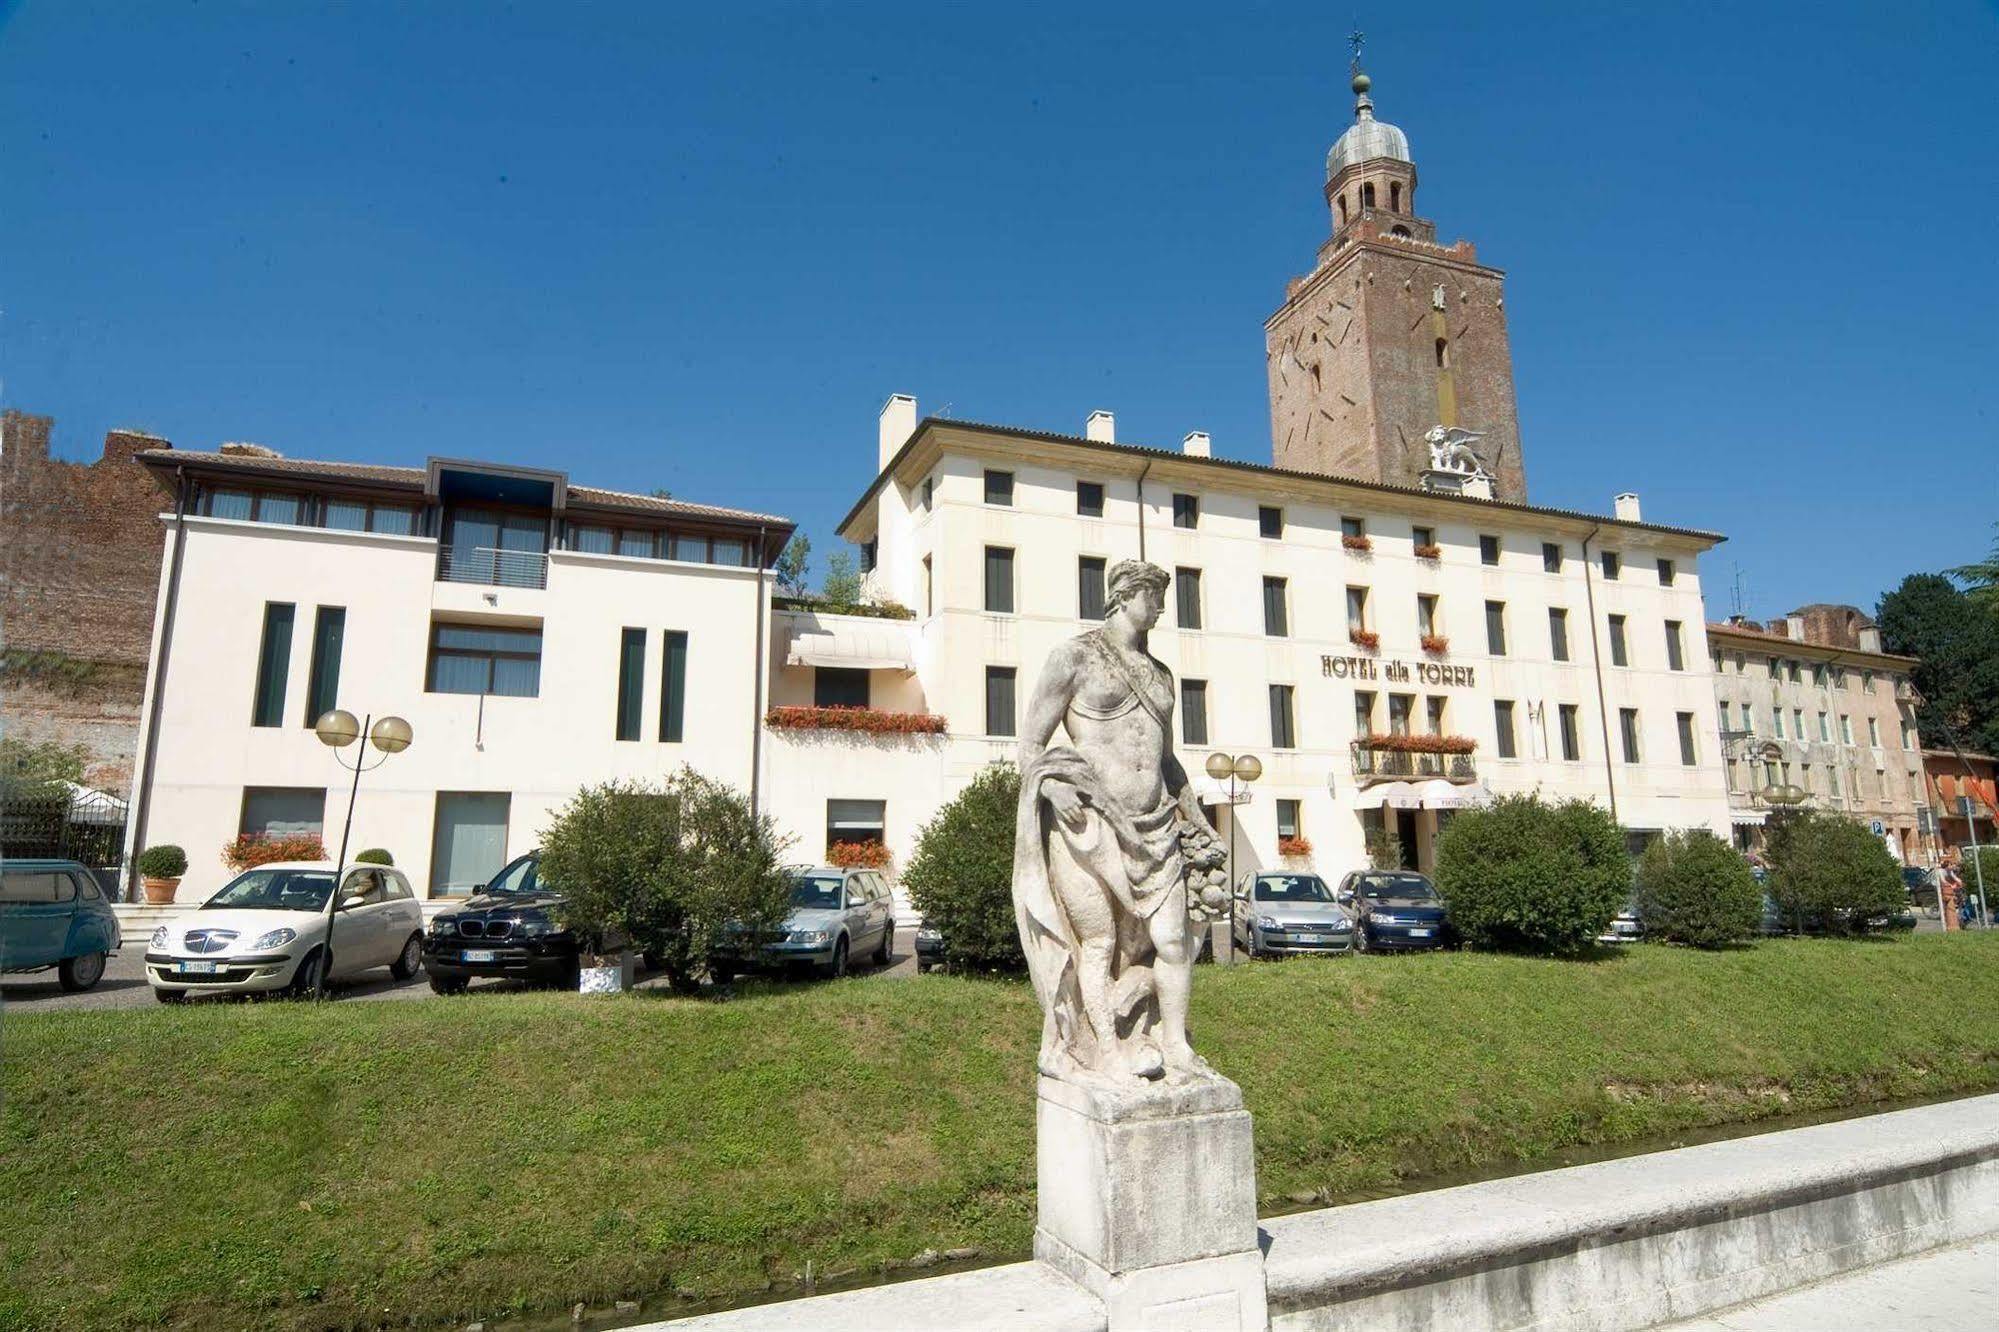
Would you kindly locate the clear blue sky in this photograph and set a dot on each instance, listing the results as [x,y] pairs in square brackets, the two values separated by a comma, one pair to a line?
[1751,250]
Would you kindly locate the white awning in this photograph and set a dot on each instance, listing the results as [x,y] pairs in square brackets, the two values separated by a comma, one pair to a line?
[1211,792]
[1389,795]
[1747,818]
[1440,794]
[874,647]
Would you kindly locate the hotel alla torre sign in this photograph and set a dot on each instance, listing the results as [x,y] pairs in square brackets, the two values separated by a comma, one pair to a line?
[1399,672]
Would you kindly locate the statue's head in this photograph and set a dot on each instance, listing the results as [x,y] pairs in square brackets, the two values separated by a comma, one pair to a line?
[1138,590]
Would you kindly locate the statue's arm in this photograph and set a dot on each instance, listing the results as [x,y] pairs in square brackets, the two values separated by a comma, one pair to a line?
[1045,710]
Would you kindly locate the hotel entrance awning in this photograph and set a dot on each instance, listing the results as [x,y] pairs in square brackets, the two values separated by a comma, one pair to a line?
[1390,795]
[873,647]
[1436,793]
[1747,818]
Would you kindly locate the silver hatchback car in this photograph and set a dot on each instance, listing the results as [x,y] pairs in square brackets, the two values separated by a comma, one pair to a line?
[1276,914]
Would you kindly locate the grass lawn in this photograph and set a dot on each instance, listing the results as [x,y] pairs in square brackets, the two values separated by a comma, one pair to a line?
[281,1165]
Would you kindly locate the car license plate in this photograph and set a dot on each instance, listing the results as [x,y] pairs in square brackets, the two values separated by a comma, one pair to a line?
[481,955]
[197,968]
[1419,934]
[1311,938]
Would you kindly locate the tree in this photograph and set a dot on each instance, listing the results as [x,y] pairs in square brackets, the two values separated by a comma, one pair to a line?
[961,877]
[794,564]
[1831,873]
[1522,874]
[842,586]
[1982,579]
[1693,888]
[1958,672]
[40,762]
[661,492]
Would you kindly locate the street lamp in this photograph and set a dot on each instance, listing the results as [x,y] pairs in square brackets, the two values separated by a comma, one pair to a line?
[1233,768]
[337,730]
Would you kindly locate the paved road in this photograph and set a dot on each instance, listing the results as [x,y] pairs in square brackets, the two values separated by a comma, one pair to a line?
[1947,1290]
[124,984]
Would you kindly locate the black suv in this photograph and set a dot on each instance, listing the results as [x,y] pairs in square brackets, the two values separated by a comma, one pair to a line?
[506,929]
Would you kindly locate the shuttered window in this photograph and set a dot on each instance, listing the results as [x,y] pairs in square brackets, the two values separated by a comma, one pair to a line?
[673,685]
[631,682]
[999,700]
[274,662]
[999,580]
[329,633]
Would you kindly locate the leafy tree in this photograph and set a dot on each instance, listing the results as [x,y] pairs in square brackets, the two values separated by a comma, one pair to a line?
[1830,873]
[685,871]
[794,564]
[1694,888]
[661,492]
[961,877]
[842,586]
[1522,874]
[1958,672]
[39,762]
[1982,579]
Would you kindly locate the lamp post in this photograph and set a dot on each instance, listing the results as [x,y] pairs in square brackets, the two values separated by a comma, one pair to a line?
[1784,797]
[1233,768]
[337,730]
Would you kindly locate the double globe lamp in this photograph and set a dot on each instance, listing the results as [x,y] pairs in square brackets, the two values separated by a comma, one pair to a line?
[337,730]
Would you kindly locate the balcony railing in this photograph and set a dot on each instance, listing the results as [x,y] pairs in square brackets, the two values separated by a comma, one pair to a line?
[1392,765]
[495,568]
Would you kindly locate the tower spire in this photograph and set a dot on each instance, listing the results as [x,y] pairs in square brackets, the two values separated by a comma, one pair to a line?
[1363,105]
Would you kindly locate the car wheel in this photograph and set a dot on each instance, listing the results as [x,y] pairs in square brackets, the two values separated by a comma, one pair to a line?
[306,979]
[80,973]
[838,966]
[448,984]
[887,945]
[1360,943]
[410,961]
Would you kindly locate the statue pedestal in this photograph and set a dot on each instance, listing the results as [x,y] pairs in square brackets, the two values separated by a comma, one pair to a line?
[1148,1200]
[1447,482]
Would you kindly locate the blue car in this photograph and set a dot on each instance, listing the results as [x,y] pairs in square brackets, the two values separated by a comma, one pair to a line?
[52,914]
[1395,910]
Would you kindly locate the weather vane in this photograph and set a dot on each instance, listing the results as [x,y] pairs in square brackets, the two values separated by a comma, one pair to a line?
[1354,39]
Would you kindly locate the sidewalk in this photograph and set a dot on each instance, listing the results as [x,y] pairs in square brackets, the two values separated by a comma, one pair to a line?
[1946,1290]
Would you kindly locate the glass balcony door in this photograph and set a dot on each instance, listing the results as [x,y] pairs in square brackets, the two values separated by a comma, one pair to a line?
[495,546]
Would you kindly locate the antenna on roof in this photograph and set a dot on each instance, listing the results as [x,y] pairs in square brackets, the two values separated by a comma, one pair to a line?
[1735,598]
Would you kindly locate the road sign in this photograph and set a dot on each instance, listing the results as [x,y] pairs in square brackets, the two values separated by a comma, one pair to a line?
[1876,827]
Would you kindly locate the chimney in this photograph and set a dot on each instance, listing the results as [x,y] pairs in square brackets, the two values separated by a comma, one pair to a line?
[1102,427]
[1196,445]
[1627,508]
[1794,627]
[1870,638]
[898,423]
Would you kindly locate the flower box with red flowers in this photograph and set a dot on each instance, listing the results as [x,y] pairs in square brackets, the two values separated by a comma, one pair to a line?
[251,850]
[1294,846]
[1419,744]
[857,855]
[1430,551]
[1436,644]
[1360,545]
[1364,638]
[868,721]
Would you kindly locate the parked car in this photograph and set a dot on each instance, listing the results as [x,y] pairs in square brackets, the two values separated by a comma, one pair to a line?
[1625,927]
[510,928]
[52,914]
[836,914]
[1279,914]
[1395,909]
[929,947]
[266,931]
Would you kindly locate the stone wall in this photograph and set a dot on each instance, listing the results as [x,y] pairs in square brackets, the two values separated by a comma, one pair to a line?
[80,547]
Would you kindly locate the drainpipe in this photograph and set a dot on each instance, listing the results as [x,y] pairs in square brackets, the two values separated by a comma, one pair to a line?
[759,667]
[1596,664]
[143,800]
[1141,507]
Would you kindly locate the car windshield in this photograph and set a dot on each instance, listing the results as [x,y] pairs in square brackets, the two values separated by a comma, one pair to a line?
[518,877]
[1291,888]
[274,890]
[1375,887]
[816,892]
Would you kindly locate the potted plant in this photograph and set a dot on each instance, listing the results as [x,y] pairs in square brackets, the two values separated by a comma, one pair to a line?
[1436,644]
[1429,550]
[374,855]
[1365,639]
[1294,848]
[1358,543]
[160,868]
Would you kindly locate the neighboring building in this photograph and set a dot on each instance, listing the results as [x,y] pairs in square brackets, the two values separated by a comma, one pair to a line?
[1946,781]
[538,637]
[1567,649]
[1391,334]
[79,565]
[1813,703]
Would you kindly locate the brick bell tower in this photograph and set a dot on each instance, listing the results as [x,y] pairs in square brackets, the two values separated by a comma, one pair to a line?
[1392,334]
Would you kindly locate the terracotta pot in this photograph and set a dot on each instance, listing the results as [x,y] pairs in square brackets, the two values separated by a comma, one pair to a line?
[159,892]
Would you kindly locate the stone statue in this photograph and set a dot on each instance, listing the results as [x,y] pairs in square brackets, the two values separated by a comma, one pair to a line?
[1113,858]
[1451,450]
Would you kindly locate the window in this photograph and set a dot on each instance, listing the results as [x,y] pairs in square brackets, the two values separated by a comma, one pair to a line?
[1426,614]
[1194,712]
[1551,557]
[1845,729]
[1090,499]
[870,552]
[1611,564]
[1797,723]
[590,540]
[1685,722]
[1367,195]
[1395,195]
[1502,725]
[1619,652]
[1187,598]
[484,659]
[1825,729]
[1867,681]
[999,700]
[672,685]
[1443,354]
[644,545]
[1282,732]
[1721,709]
[1090,587]
[999,580]
[1777,722]
[350,515]
[1572,739]
[1354,528]
[1675,653]
[1558,633]
[1270,522]
[1666,573]
[1356,610]
[322,686]
[274,662]
[929,493]
[1287,820]
[1874,732]
[929,589]
[1276,623]
[723,550]
[1399,707]
[1186,510]
[253,506]
[999,487]
[1488,549]
[1627,732]
[841,687]
[1423,537]
[631,682]
[1495,628]
[1791,669]
[1363,712]
[1818,675]
[469,844]
[38,887]
[1433,706]
[283,811]
[855,823]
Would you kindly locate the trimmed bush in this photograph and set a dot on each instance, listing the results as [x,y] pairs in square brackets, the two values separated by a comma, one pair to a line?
[165,861]
[961,876]
[1528,876]
[1694,888]
[1831,873]
[374,855]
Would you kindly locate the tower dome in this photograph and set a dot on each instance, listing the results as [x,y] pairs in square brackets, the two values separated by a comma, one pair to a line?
[1367,138]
